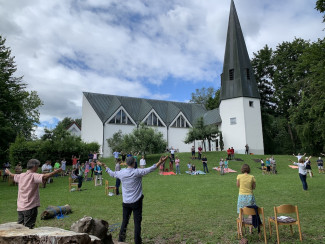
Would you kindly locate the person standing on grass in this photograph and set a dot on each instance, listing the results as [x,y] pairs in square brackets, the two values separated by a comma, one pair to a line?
[98,173]
[47,168]
[171,162]
[92,166]
[308,167]
[28,192]
[79,172]
[193,152]
[246,184]
[320,163]
[226,165]
[118,181]
[199,152]
[302,172]
[246,149]
[268,166]
[299,156]
[222,167]
[131,179]
[142,162]
[273,165]
[116,155]
[232,153]
[75,161]
[56,167]
[177,165]
[63,166]
[205,164]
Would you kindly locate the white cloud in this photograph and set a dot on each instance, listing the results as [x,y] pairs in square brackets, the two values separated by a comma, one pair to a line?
[124,47]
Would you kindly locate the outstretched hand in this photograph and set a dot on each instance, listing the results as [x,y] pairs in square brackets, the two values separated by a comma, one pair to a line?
[161,160]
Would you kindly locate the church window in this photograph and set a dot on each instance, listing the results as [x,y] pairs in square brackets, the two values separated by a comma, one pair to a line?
[233,121]
[251,103]
[121,118]
[248,75]
[180,122]
[153,120]
[231,74]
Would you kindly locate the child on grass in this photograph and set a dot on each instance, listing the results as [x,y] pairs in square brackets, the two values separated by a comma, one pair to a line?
[98,174]
[221,165]
[177,165]
[226,165]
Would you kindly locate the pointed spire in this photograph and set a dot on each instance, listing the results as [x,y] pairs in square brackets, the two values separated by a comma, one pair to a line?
[237,79]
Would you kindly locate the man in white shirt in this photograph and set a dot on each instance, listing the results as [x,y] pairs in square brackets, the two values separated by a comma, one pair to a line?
[142,163]
[131,179]
[47,168]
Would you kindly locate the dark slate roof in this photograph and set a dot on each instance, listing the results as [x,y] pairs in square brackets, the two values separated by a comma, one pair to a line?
[236,57]
[138,108]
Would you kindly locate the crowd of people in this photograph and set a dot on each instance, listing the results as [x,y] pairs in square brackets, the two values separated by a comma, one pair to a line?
[131,180]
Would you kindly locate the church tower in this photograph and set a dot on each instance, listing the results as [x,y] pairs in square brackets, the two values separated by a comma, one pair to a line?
[240,109]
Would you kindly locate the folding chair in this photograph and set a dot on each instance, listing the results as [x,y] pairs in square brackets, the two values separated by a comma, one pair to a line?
[72,183]
[243,222]
[107,187]
[284,220]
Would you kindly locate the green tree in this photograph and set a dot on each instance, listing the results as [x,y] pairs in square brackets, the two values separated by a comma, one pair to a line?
[208,97]
[320,6]
[67,121]
[309,114]
[116,142]
[18,107]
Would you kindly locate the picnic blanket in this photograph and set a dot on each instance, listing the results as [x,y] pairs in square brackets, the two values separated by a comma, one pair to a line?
[229,170]
[293,166]
[58,211]
[199,172]
[168,173]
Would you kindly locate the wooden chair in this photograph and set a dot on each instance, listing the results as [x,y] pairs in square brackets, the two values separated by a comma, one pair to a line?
[243,222]
[283,220]
[72,183]
[107,187]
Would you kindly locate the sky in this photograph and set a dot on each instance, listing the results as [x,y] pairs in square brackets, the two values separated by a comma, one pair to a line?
[140,48]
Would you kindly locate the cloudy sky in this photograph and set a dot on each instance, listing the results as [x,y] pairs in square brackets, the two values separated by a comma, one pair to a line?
[161,49]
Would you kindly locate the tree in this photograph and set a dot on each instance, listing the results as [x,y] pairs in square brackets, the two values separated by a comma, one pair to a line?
[143,139]
[67,121]
[202,132]
[309,115]
[208,97]
[18,107]
[320,6]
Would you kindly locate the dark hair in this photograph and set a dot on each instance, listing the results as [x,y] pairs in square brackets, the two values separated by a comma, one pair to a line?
[129,161]
[33,163]
[118,160]
[301,160]
[245,169]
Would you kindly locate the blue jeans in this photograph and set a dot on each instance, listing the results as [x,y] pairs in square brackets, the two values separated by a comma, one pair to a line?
[177,169]
[303,179]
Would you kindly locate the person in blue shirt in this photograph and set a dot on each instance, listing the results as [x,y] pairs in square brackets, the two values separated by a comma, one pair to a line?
[131,179]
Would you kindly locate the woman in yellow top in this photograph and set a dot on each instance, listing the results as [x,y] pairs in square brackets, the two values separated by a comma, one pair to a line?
[246,184]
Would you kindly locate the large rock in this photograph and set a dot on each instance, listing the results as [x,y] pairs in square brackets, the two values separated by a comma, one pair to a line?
[95,227]
[13,233]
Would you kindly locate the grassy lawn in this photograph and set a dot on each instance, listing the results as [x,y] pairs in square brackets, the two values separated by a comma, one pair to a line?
[186,208]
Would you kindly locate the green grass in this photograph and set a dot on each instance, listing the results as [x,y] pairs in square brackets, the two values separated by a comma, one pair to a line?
[186,208]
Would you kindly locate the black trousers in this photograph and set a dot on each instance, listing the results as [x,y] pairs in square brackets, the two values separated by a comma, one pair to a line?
[128,208]
[28,217]
[117,185]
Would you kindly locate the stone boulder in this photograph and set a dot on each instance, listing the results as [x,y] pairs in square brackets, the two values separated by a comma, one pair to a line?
[12,233]
[95,227]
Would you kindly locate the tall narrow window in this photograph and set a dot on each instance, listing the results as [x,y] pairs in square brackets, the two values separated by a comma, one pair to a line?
[248,76]
[251,103]
[153,120]
[231,74]
[121,118]
[180,122]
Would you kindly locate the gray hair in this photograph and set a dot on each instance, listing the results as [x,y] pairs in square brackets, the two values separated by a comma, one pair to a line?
[129,161]
[33,163]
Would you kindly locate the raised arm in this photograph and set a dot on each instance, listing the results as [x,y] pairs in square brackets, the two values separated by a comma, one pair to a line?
[9,173]
[48,175]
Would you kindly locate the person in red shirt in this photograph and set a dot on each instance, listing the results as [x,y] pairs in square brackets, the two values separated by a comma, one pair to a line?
[199,152]
[74,161]
[232,153]
[229,154]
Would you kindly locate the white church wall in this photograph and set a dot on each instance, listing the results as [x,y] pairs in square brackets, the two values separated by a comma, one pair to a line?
[176,137]
[253,125]
[92,126]
[109,130]
[241,124]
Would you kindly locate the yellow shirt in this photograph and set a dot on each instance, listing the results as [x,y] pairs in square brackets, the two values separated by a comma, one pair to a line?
[245,181]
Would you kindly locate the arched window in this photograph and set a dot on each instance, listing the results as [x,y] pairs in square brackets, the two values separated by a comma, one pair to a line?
[180,122]
[153,120]
[121,118]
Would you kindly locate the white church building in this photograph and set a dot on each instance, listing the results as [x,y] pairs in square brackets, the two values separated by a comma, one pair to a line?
[238,116]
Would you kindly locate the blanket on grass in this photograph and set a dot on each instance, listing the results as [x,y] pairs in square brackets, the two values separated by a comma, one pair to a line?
[293,166]
[199,172]
[168,173]
[229,170]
